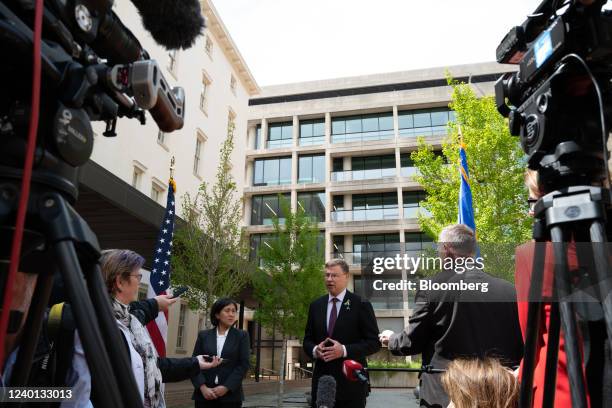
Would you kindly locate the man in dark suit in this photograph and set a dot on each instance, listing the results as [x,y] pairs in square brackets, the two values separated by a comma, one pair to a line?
[347,324]
[447,324]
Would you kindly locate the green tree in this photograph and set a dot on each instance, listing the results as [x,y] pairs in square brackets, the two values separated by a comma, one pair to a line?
[289,278]
[210,248]
[496,165]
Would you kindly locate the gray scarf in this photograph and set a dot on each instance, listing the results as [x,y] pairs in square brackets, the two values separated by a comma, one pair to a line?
[143,345]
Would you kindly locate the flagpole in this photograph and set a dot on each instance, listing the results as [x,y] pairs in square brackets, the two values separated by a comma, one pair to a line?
[171,181]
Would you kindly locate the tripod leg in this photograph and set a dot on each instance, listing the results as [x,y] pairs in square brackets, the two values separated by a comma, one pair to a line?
[602,272]
[104,384]
[552,356]
[110,333]
[533,325]
[31,330]
[568,319]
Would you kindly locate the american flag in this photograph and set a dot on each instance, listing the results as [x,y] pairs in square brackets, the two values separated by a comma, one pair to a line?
[160,272]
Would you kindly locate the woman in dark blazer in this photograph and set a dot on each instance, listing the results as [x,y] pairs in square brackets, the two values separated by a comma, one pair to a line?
[222,386]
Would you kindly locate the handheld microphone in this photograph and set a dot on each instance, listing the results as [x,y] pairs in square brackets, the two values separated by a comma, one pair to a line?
[354,371]
[172,23]
[326,392]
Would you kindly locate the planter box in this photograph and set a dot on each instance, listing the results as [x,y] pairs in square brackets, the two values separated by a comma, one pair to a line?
[390,379]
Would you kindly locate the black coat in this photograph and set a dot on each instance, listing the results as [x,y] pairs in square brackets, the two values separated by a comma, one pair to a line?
[355,328]
[236,351]
[172,369]
[447,325]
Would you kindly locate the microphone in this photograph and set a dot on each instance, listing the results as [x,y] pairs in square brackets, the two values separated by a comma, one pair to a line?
[354,371]
[172,23]
[326,392]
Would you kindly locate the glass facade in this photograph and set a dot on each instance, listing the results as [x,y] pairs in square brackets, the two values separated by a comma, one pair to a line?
[368,207]
[417,242]
[412,204]
[393,301]
[362,128]
[427,122]
[367,168]
[280,135]
[272,171]
[313,204]
[312,132]
[265,207]
[369,245]
[311,169]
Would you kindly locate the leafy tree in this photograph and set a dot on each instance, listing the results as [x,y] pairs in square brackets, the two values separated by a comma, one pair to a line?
[210,249]
[496,165]
[289,278]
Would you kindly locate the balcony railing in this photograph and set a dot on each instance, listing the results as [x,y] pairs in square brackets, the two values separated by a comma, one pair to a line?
[362,136]
[371,174]
[279,143]
[311,141]
[427,131]
[389,213]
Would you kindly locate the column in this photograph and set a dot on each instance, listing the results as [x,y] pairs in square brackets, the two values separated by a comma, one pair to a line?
[296,131]
[327,129]
[398,162]
[251,131]
[294,180]
[395,123]
[264,133]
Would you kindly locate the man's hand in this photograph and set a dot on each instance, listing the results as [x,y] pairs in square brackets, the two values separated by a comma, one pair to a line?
[384,337]
[208,393]
[220,390]
[205,365]
[319,350]
[164,302]
[332,352]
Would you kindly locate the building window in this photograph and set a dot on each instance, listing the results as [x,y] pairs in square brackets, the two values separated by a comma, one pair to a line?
[265,207]
[365,247]
[280,135]
[157,190]
[368,207]
[208,46]
[258,137]
[313,204]
[362,128]
[206,81]
[136,177]
[172,61]
[311,169]
[368,168]
[233,83]
[425,122]
[312,132]
[257,241]
[416,242]
[412,204]
[393,300]
[272,171]
[197,156]
[180,335]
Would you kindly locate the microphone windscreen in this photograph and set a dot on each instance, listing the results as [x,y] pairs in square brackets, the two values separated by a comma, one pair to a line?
[326,392]
[173,24]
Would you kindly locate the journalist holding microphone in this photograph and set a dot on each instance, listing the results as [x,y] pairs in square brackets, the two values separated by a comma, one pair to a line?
[121,271]
[222,386]
[341,326]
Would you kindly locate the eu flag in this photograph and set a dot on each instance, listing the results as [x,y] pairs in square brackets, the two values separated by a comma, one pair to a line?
[466,210]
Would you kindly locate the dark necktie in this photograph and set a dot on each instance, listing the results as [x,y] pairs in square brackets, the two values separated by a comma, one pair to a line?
[332,317]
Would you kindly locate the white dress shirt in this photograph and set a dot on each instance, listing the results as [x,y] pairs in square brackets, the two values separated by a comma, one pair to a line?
[220,344]
[330,305]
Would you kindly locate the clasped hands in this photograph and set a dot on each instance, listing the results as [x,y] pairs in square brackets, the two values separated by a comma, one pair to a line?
[329,353]
[213,393]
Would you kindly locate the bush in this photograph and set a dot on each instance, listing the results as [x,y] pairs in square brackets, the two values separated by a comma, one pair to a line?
[394,364]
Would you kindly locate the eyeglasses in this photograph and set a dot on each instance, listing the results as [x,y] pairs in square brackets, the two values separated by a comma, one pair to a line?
[139,276]
[532,203]
[332,276]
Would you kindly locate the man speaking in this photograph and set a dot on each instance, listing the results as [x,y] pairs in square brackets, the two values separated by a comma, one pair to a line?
[340,326]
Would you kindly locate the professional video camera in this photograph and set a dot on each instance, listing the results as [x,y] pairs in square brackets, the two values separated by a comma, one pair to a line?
[65,64]
[555,102]
[558,102]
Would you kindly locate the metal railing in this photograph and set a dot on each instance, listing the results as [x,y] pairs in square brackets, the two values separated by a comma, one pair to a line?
[301,373]
[362,136]
[390,213]
[356,175]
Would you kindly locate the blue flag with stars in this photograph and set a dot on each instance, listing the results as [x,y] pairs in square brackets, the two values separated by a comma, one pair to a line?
[160,271]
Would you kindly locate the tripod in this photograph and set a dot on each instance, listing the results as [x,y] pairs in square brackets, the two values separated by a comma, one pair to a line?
[564,215]
[60,241]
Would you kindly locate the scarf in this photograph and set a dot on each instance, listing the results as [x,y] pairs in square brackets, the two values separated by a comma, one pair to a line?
[143,345]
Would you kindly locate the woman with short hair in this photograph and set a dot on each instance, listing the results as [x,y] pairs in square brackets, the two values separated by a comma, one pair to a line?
[222,386]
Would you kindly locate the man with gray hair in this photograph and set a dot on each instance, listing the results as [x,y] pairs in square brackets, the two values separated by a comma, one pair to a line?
[451,323]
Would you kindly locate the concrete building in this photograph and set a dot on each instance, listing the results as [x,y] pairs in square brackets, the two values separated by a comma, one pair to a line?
[340,148]
[123,187]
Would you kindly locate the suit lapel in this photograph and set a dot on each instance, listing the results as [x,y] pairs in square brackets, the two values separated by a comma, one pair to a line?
[342,312]
[229,342]
[323,313]
[211,341]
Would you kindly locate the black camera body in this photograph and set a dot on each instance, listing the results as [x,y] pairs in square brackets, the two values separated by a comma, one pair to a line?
[555,100]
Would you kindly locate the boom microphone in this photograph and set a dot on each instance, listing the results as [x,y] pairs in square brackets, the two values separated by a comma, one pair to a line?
[172,23]
[354,371]
[326,392]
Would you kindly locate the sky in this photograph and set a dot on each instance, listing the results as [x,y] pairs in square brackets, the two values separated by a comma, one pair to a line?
[284,41]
